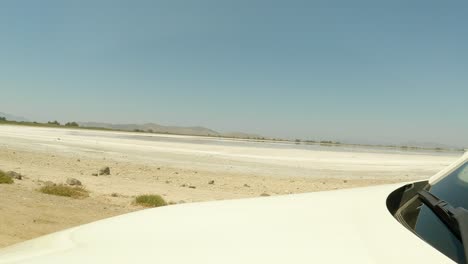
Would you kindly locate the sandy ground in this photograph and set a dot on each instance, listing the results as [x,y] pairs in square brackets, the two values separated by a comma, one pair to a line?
[169,166]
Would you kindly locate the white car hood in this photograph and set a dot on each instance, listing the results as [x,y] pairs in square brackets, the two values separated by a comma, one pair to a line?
[346,226]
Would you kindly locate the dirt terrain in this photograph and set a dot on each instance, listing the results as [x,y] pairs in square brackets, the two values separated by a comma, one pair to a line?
[180,172]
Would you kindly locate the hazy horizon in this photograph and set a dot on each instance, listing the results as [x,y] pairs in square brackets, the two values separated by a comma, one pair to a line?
[387,73]
[389,143]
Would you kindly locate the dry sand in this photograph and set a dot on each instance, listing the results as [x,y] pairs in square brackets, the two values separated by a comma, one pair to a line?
[169,165]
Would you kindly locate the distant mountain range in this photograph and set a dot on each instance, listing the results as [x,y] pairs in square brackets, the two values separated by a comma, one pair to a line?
[150,127]
[156,128]
[13,117]
[196,131]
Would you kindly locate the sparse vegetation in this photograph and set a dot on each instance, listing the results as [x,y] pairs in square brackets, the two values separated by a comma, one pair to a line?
[5,179]
[150,200]
[72,124]
[64,190]
[55,123]
[51,124]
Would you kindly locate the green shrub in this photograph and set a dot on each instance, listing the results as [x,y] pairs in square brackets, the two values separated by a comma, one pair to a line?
[150,200]
[56,123]
[72,124]
[64,190]
[5,179]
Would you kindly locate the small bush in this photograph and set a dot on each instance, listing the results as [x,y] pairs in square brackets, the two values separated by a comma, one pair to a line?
[64,190]
[5,179]
[72,124]
[56,123]
[150,200]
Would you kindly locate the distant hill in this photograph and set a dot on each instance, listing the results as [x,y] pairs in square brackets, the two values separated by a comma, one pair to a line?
[13,117]
[178,130]
[151,127]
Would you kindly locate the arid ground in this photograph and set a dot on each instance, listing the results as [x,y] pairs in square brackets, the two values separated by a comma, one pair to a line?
[181,169]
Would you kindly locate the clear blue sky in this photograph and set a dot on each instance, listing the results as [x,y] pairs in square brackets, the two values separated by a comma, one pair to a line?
[366,71]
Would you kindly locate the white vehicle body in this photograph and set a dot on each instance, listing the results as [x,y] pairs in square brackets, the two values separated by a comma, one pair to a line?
[345,226]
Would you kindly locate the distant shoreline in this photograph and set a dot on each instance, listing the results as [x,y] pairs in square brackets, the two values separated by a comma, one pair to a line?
[249,139]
